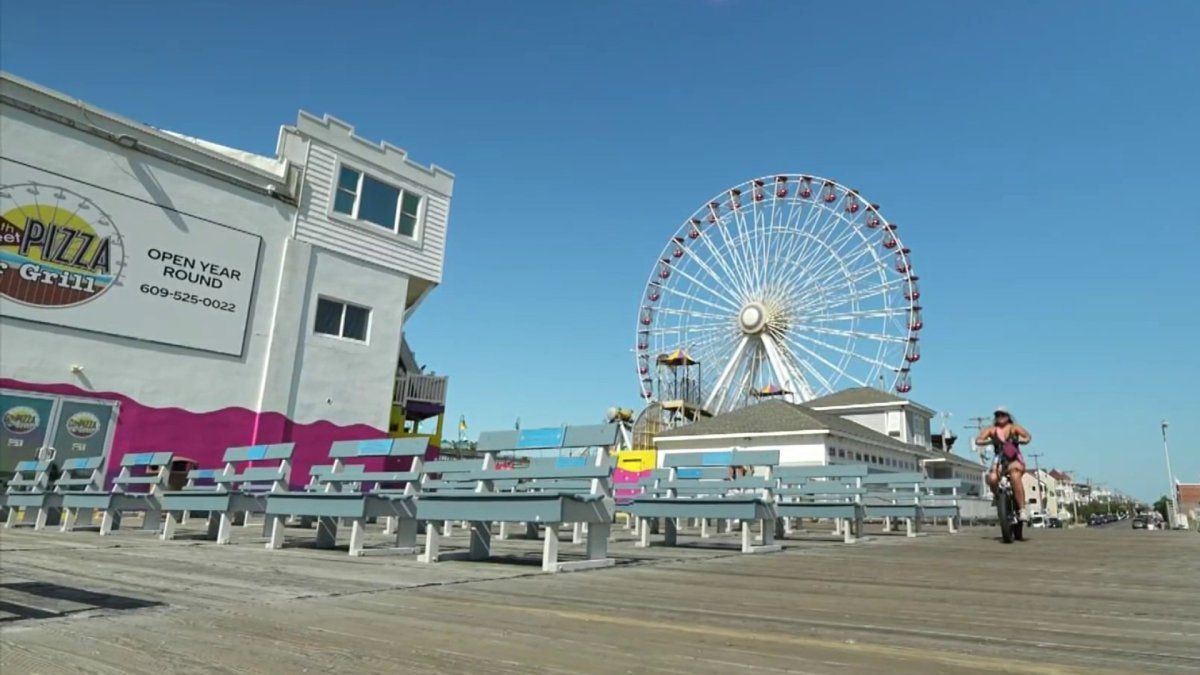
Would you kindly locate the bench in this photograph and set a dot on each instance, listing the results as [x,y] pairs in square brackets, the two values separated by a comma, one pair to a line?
[79,475]
[833,491]
[698,486]
[895,495]
[29,490]
[232,491]
[342,494]
[549,491]
[939,499]
[145,499]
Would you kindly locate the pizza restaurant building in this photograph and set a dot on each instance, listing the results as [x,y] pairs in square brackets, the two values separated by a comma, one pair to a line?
[161,292]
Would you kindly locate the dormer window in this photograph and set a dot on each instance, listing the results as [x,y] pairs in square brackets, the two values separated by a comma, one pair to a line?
[367,199]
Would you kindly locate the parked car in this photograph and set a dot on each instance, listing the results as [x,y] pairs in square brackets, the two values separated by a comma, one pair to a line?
[1054,523]
[1139,523]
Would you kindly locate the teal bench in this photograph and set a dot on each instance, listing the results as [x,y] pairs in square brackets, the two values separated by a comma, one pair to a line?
[549,492]
[350,493]
[29,490]
[895,495]
[698,486]
[79,475]
[135,489]
[939,499]
[833,491]
[241,487]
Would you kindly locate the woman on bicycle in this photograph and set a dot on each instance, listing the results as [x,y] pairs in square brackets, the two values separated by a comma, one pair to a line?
[1006,438]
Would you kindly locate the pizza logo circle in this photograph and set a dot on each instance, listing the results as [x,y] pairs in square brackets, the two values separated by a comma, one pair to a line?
[21,419]
[83,425]
[57,248]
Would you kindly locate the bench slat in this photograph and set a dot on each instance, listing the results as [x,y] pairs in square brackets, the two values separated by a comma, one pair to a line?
[252,453]
[829,471]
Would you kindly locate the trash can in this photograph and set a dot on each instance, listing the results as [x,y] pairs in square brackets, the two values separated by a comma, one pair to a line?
[177,476]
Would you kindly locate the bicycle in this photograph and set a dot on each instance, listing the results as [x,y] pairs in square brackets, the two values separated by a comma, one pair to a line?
[1011,527]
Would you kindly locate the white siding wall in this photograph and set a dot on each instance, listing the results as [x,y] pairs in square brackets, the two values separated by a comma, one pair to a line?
[285,368]
[156,375]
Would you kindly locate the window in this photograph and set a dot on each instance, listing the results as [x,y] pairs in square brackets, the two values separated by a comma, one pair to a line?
[366,198]
[341,319]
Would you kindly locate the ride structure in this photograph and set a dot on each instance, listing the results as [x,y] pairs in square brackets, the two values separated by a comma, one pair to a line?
[788,286]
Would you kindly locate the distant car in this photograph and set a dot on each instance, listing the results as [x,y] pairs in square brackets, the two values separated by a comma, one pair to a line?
[1139,523]
[1054,523]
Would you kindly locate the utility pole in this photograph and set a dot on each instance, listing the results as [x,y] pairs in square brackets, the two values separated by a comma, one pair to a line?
[1170,481]
[1041,485]
[978,426]
[1074,497]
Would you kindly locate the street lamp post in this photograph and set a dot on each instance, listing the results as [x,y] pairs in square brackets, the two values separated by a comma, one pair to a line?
[1170,480]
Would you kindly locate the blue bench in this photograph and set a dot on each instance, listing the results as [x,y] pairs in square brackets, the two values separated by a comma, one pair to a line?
[549,491]
[939,499]
[353,494]
[136,489]
[79,475]
[698,486]
[833,491]
[241,487]
[895,495]
[29,490]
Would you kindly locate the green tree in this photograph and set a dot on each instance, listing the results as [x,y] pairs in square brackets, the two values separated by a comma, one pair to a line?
[1161,506]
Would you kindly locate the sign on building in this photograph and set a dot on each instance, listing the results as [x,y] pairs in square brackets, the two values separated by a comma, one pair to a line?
[74,427]
[80,256]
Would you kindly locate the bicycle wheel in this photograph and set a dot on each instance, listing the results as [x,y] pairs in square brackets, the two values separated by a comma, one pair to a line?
[1004,511]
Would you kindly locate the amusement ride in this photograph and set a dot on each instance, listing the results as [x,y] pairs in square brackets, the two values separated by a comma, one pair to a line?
[787,286]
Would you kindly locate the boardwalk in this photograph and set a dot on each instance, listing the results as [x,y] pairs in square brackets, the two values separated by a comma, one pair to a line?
[1087,601]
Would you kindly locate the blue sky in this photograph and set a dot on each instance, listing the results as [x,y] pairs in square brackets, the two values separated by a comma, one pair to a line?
[1040,156]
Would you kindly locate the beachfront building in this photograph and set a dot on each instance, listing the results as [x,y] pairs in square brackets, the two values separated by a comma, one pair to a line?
[853,426]
[161,292]
[1042,492]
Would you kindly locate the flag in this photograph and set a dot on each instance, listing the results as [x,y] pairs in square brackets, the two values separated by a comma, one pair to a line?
[462,423]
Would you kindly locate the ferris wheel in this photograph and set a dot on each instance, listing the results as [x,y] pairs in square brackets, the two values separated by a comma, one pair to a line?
[786,286]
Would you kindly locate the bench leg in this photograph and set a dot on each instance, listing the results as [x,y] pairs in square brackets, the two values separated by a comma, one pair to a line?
[356,537]
[503,531]
[327,532]
[224,528]
[481,540]
[447,528]
[246,519]
[406,534]
[550,548]
[68,522]
[433,537]
[11,520]
[910,527]
[152,521]
[747,538]
[389,525]
[597,541]
[39,522]
[107,522]
[168,528]
[671,534]
[704,533]
[275,540]
[643,534]
[577,533]
[768,532]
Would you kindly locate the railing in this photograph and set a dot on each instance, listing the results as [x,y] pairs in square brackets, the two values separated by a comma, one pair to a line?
[420,388]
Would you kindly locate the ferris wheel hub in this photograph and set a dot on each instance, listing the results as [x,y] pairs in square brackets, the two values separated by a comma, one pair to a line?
[753,318]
